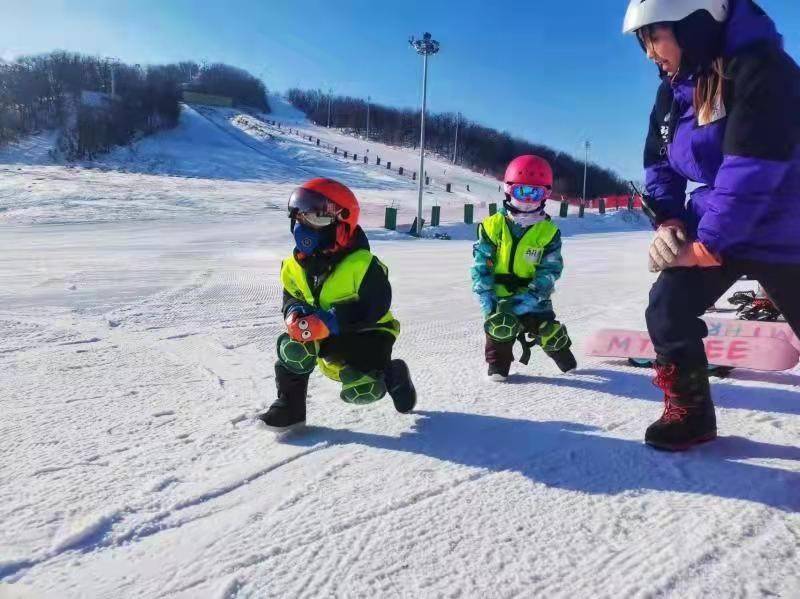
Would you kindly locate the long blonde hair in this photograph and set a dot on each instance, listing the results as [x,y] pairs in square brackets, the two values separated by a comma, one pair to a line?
[708,95]
[710,89]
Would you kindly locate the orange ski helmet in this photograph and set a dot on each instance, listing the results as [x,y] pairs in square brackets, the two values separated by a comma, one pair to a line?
[326,196]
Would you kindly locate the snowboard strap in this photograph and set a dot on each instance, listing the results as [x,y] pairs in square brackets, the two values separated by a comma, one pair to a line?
[527,341]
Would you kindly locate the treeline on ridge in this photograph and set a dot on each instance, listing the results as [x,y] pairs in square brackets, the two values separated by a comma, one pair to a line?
[480,148]
[99,103]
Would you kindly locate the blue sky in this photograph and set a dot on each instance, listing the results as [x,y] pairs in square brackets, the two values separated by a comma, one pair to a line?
[555,72]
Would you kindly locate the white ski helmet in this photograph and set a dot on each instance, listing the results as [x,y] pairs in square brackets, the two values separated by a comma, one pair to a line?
[648,12]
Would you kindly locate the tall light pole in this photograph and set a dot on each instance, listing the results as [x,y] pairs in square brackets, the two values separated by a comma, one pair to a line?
[330,94]
[113,63]
[455,145]
[585,168]
[369,100]
[426,47]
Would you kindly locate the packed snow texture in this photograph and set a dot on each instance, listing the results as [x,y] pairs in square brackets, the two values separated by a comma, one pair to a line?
[139,306]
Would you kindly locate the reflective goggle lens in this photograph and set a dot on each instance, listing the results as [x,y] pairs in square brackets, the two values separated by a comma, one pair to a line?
[528,193]
[316,221]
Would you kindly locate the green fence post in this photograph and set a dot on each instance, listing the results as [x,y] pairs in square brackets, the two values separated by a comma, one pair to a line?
[390,219]
[581,209]
[436,213]
[602,206]
[469,210]
[564,210]
[492,209]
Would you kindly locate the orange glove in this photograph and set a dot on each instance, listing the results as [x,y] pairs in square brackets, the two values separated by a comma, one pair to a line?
[306,328]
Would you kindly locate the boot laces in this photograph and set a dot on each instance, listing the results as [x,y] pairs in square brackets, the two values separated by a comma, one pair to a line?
[666,379]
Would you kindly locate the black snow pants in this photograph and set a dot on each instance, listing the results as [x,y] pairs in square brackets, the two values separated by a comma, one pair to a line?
[681,296]
[502,354]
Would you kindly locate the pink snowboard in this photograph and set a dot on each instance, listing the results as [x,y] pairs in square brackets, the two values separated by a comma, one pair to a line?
[755,353]
[729,327]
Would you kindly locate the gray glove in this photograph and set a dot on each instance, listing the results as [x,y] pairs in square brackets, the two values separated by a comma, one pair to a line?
[666,246]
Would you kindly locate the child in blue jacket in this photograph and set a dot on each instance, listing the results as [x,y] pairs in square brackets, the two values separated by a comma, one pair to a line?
[517,261]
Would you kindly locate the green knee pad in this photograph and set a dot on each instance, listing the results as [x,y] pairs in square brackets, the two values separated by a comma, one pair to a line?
[553,336]
[360,388]
[297,357]
[503,326]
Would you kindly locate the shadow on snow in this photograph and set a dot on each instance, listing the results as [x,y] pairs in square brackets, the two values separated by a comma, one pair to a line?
[575,457]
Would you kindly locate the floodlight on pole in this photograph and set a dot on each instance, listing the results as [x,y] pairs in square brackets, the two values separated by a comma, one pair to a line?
[425,47]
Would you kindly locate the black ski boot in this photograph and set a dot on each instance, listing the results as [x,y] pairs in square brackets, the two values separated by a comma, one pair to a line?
[564,359]
[289,410]
[400,387]
[498,372]
[688,417]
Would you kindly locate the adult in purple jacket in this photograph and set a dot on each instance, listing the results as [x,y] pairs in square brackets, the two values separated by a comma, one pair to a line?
[726,116]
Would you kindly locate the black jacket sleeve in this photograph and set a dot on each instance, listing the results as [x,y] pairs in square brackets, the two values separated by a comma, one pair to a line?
[374,301]
[765,118]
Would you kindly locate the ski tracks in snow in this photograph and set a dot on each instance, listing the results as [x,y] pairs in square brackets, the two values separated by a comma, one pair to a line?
[132,465]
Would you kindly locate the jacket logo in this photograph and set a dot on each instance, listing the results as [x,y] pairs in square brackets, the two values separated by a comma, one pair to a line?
[533,255]
[665,129]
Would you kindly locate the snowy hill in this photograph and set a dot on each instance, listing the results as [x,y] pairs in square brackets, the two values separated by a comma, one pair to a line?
[138,314]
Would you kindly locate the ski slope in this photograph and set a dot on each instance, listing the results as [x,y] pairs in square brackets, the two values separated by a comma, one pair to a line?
[139,305]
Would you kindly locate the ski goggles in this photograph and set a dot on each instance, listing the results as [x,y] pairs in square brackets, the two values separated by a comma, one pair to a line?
[312,209]
[315,221]
[528,193]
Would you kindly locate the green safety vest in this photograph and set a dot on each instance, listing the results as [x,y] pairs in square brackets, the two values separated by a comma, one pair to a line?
[515,259]
[341,286]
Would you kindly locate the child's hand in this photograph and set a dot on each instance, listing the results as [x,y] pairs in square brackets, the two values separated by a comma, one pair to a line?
[329,318]
[525,303]
[301,309]
[306,328]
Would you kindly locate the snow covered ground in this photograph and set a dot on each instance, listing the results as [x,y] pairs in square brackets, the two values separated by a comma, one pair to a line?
[138,312]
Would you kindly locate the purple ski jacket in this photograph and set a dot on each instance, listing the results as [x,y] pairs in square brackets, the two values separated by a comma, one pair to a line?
[747,162]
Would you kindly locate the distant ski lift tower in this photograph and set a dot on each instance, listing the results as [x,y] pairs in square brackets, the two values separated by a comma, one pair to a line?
[330,95]
[585,168]
[455,144]
[369,100]
[426,47]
